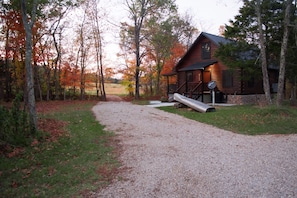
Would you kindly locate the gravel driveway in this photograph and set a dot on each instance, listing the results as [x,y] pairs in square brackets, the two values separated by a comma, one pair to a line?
[166,155]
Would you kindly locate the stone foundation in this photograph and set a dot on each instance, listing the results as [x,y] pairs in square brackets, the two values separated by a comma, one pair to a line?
[246,99]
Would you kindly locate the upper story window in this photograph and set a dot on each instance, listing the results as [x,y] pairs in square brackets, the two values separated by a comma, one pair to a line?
[206,50]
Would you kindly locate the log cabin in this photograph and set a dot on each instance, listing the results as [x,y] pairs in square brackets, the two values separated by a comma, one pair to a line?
[199,66]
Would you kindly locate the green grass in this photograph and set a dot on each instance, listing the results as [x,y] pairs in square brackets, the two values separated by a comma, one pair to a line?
[250,120]
[73,165]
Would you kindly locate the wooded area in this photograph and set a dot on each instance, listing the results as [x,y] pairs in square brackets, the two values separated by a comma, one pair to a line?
[59,69]
[39,61]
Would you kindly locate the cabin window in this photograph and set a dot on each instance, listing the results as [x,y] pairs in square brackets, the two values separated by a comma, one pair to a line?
[206,50]
[227,78]
[190,76]
[251,82]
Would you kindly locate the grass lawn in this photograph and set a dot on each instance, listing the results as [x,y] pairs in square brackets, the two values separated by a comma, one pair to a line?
[250,120]
[80,160]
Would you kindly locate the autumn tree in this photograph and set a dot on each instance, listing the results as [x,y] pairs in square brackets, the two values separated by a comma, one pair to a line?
[69,78]
[31,11]
[163,35]
[109,73]
[128,74]
[52,40]
[139,12]
[176,52]
[13,50]
[82,55]
[155,27]
[28,25]
[97,38]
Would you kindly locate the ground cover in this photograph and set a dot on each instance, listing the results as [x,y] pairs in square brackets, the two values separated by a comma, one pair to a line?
[76,156]
[110,88]
[246,119]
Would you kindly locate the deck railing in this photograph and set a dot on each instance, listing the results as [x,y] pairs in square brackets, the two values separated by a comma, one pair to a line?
[179,88]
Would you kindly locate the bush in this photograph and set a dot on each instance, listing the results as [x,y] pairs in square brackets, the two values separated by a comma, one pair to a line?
[14,125]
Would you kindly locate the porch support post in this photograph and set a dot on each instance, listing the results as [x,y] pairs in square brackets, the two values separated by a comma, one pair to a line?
[202,78]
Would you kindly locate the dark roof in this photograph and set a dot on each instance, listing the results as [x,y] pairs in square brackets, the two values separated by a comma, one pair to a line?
[199,65]
[215,39]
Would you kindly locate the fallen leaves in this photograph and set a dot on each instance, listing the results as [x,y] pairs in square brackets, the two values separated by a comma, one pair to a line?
[14,184]
[51,171]
[26,173]
[55,129]
[15,152]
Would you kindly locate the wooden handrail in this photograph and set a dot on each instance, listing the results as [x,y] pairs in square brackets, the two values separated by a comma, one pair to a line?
[197,86]
[181,86]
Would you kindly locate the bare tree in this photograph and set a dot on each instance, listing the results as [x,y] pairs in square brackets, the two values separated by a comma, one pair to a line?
[263,53]
[84,41]
[138,10]
[282,69]
[96,28]
[28,25]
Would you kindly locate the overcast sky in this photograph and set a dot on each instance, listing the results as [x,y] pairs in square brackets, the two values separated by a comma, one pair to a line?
[208,15]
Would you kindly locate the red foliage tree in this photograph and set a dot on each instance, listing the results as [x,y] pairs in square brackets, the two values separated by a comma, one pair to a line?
[177,52]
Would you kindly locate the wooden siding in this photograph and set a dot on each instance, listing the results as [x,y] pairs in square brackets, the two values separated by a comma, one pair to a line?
[195,56]
[214,72]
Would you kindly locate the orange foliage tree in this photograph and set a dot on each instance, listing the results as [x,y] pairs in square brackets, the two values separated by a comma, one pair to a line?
[177,51]
[69,77]
[128,73]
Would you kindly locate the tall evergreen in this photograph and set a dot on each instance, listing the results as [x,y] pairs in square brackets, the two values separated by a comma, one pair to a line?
[244,29]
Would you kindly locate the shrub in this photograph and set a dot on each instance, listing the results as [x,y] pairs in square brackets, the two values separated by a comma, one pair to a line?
[14,125]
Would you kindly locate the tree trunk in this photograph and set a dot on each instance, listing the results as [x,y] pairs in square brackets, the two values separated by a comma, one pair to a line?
[293,93]
[48,82]
[37,79]
[282,69]
[101,72]
[266,84]
[137,56]
[99,53]
[56,71]
[28,61]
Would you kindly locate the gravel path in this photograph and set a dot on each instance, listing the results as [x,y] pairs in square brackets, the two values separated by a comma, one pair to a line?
[166,155]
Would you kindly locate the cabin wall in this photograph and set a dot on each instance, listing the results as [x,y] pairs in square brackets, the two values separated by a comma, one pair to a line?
[255,87]
[216,71]
[195,55]
[191,58]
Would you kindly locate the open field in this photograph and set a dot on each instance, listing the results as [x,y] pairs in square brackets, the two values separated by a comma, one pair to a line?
[246,119]
[110,89]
